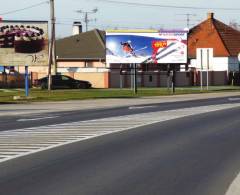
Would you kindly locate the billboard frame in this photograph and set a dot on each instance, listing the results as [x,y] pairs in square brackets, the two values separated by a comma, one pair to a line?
[172,33]
[34,59]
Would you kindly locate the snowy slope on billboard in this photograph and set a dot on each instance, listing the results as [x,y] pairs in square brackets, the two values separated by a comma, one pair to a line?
[154,47]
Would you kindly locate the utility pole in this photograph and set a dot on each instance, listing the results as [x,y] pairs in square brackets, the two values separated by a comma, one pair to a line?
[86,16]
[188,19]
[52,46]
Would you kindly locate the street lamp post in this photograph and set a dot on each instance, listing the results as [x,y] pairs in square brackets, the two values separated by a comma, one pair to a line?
[86,16]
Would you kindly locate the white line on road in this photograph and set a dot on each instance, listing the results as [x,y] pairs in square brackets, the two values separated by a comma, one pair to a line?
[140,107]
[234,188]
[233,99]
[36,139]
[37,119]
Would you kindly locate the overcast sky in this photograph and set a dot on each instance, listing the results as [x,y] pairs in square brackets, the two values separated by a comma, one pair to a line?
[121,16]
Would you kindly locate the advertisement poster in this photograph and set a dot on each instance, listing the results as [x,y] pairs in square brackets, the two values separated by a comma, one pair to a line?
[146,47]
[23,43]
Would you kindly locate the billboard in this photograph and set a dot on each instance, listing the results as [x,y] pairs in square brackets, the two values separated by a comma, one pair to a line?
[204,58]
[146,47]
[23,43]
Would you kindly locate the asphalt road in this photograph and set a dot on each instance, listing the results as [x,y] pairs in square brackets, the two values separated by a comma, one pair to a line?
[9,122]
[193,155]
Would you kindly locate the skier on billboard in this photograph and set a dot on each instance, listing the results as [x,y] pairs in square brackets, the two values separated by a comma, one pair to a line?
[127,48]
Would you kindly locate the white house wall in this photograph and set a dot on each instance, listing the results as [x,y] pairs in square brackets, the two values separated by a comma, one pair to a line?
[220,64]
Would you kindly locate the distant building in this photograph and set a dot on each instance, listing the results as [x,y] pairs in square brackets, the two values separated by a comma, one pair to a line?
[82,56]
[224,41]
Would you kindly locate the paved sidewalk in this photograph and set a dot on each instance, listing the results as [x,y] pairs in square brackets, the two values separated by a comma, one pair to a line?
[46,107]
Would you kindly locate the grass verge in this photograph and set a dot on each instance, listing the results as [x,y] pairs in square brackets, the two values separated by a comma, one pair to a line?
[6,95]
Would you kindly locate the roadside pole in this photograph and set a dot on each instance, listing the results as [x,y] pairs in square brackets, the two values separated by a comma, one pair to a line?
[239,62]
[173,80]
[52,49]
[50,69]
[207,68]
[168,77]
[131,76]
[135,79]
[121,82]
[26,82]
[201,74]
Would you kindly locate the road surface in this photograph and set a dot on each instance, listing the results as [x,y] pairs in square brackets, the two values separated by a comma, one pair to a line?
[175,148]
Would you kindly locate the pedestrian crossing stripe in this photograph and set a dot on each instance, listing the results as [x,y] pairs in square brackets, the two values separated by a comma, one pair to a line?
[26,141]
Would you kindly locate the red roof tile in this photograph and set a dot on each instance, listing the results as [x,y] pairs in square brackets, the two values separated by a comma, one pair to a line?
[229,36]
[212,33]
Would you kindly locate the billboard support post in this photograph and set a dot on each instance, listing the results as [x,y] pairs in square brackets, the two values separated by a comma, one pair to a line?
[26,82]
[168,76]
[132,76]
[173,80]
[135,79]
[121,77]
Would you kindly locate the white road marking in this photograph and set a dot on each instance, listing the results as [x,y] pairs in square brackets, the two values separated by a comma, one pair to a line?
[140,107]
[22,142]
[234,188]
[233,99]
[36,119]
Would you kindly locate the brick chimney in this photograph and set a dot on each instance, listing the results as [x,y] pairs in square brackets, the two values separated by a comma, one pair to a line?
[210,15]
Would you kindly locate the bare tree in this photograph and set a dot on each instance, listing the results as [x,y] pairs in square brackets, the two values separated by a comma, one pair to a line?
[234,25]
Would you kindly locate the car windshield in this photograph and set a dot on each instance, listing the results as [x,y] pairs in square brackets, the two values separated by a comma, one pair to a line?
[65,78]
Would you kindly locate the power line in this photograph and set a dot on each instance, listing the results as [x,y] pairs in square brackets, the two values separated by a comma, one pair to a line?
[25,8]
[86,16]
[168,6]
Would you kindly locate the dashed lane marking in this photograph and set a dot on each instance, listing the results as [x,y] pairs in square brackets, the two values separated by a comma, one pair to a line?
[234,99]
[36,119]
[140,107]
[21,142]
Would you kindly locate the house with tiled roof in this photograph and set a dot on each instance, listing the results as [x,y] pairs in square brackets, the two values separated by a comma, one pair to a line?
[82,56]
[84,46]
[223,39]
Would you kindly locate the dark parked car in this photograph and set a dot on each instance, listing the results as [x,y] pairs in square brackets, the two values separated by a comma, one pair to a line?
[62,82]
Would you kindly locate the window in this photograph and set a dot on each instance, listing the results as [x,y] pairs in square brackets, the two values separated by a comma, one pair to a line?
[150,78]
[89,64]
[64,78]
